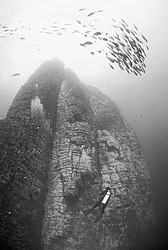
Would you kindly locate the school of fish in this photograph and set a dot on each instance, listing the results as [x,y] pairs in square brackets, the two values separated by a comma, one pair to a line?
[126,48]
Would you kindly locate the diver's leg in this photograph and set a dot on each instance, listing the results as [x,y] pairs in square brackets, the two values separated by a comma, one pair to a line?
[91,209]
[98,203]
[103,206]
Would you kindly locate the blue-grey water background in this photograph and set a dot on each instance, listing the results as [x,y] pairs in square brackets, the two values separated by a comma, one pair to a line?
[143,100]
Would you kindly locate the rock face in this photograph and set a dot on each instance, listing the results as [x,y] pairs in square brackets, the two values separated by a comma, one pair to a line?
[62,143]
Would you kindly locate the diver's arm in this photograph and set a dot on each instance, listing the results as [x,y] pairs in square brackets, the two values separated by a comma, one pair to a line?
[103,192]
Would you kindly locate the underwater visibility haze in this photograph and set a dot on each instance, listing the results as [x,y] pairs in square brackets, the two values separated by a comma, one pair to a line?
[119,47]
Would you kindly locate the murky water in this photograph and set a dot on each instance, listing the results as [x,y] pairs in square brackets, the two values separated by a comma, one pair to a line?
[141,99]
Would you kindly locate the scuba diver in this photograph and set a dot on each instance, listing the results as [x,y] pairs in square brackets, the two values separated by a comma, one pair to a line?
[103,202]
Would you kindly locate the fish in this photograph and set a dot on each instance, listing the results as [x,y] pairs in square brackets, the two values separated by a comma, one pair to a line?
[78,21]
[121,67]
[100,10]
[127,30]
[16,74]
[147,47]
[124,22]
[127,71]
[91,13]
[104,39]
[82,44]
[111,59]
[111,66]
[116,44]
[76,31]
[114,26]
[22,38]
[135,27]
[97,33]
[81,9]
[144,38]
[95,37]
[121,28]
[88,43]
[92,53]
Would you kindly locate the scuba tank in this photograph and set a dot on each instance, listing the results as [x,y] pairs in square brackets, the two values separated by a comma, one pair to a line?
[106,197]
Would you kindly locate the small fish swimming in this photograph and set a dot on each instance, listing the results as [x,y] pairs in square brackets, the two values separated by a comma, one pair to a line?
[81,9]
[22,38]
[97,33]
[78,21]
[144,38]
[124,22]
[135,27]
[16,74]
[91,13]
[82,44]
[47,32]
[111,66]
[88,31]
[104,39]
[88,43]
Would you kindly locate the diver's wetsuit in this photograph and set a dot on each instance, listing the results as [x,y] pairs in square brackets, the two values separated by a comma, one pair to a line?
[103,201]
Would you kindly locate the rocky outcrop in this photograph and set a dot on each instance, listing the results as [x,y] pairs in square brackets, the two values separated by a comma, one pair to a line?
[61,144]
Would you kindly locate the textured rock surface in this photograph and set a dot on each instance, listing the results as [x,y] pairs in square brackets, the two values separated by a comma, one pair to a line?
[61,144]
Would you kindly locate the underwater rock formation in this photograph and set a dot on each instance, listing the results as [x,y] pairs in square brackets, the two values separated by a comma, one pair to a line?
[61,144]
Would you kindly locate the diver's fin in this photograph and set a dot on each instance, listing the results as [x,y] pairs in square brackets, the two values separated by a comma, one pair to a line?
[88,211]
[98,218]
